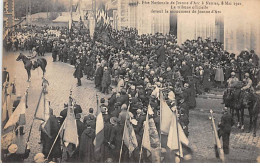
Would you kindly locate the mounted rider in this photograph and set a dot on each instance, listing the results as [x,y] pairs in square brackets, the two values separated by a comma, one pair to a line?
[232,81]
[248,84]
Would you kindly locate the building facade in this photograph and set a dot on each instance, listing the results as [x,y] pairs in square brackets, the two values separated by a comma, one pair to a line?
[8,16]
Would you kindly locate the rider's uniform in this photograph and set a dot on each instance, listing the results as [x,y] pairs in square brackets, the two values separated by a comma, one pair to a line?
[248,84]
[232,82]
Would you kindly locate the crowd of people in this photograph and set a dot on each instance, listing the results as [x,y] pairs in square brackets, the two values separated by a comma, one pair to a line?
[139,68]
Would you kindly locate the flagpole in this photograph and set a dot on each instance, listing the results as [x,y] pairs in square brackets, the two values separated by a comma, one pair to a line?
[221,153]
[141,151]
[160,95]
[34,114]
[97,103]
[56,138]
[177,126]
[123,136]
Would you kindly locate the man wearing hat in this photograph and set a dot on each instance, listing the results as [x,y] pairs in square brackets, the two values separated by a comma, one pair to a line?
[225,129]
[78,72]
[90,119]
[123,114]
[106,80]
[98,76]
[13,157]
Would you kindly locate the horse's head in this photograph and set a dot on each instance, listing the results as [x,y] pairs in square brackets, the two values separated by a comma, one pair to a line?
[21,56]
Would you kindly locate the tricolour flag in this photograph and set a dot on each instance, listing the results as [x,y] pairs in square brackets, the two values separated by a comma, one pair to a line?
[70,134]
[154,137]
[43,113]
[18,116]
[99,131]
[177,140]
[166,115]
[129,136]
[6,109]
[146,143]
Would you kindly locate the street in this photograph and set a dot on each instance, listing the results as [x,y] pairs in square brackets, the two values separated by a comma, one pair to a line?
[243,146]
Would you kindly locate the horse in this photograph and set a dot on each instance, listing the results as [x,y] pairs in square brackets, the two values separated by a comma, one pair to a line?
[241,100]
[28,64]
[238,100]
[252,102]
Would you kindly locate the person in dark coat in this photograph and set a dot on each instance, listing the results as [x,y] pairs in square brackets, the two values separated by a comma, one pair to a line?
[115,139]
[80,125]
[106,80]
[90,119]
[112,102]
[5,76]
[189,96]
[123,98]
[161,54]
[48,142]
[225,129]
[206,79]
[54,53]
[80,128]
[86,146]
[78,72]
[185,71]
[12,157]
[98,76]
[63,114]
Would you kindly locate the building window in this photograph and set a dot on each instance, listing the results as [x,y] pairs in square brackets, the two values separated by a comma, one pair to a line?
[5,7]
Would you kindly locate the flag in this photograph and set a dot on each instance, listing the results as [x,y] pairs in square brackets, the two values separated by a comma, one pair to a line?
[70,133]
[99,131]
[154,137]
[43,113]
[146,143]
[166,115]
[218,148]
[177,140]
[18,116]
[6,109]
[40,108]
[129,136]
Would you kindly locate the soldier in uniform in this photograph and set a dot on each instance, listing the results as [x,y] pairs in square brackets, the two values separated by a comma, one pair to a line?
[225,129]
[232,80]
[247,82]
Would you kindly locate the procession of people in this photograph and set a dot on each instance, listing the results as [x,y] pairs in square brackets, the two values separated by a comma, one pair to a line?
[139,72]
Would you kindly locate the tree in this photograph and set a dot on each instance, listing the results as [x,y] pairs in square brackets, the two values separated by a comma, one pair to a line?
[38,6]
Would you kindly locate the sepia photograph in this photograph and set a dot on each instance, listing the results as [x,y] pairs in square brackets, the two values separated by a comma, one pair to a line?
[130,81]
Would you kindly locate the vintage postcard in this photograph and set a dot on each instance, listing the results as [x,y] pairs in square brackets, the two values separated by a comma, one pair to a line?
[130,81]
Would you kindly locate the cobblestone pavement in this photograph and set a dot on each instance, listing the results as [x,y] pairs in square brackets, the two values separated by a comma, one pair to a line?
[243,147]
